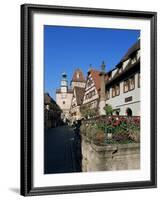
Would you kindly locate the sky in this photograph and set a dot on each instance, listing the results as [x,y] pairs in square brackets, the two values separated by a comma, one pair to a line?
[68,48]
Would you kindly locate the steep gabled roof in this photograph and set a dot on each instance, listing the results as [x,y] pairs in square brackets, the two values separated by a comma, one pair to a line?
[79,94]
[47,98]
[78,76]
[130,51]
[96,77]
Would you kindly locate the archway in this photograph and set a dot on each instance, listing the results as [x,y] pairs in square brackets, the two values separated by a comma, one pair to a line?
[129,112]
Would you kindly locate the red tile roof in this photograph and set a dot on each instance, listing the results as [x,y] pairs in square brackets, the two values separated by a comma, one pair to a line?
[96,77]
[79,92]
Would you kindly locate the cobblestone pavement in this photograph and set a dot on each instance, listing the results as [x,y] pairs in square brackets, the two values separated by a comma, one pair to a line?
[61,151]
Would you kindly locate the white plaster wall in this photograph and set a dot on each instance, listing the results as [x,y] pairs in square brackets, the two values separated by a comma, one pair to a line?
[96,96]
[78,84]
[119,101]
[68,100]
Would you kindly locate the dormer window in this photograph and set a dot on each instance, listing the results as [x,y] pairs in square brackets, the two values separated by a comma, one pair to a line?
[133,58]
[120,70]
[47,107]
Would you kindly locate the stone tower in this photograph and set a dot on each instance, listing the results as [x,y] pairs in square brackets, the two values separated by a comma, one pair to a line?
[64,97]
[64,83]
[78,79]
[102,102]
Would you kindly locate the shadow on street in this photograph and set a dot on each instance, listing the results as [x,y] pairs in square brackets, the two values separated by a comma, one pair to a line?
[62,151]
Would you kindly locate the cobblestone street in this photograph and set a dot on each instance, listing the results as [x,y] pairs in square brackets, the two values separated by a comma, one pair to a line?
[61,152]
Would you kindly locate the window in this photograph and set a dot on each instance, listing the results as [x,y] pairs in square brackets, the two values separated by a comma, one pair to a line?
[93,92]
[63,96]
[86,96]
[132,83]
[90,95]
[108,94]
[113,92]
[126,85]
[95,104]
[89,82]
[129,84]
[116,90]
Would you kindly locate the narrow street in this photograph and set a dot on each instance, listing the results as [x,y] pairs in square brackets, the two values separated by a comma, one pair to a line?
[61,153]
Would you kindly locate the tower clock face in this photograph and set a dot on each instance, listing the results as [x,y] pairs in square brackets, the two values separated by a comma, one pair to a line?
[63,82]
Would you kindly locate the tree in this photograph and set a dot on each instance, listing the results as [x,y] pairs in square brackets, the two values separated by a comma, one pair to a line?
[88,112]
[108,109]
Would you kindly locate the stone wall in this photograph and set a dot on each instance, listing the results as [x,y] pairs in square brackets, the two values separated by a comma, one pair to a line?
[109,157]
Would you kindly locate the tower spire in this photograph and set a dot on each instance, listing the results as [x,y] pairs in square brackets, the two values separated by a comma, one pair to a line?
[103,66]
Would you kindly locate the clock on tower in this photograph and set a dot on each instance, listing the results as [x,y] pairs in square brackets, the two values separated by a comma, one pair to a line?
[64,83]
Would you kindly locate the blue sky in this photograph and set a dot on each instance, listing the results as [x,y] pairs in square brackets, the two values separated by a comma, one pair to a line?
[67,48]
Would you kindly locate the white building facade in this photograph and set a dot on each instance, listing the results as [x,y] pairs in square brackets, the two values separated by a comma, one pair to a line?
[123,84]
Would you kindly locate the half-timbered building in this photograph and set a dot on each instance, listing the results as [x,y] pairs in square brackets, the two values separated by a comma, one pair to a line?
[123,84]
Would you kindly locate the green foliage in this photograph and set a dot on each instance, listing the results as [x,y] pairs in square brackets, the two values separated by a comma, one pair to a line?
[88,112]
[123,129]
[108,109]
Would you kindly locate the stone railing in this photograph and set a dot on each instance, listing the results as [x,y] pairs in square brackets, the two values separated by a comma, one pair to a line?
[105,118]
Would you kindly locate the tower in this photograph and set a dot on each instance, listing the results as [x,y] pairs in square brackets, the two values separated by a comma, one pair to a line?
[102,102]
[64,83]
[78,79]
[64,97]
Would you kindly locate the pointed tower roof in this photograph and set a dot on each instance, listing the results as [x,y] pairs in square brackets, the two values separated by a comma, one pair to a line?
[78,76]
